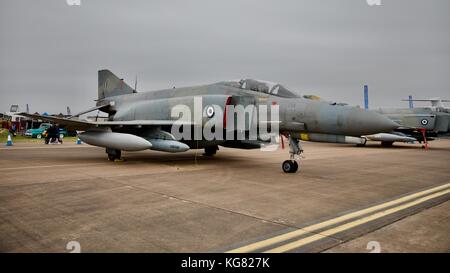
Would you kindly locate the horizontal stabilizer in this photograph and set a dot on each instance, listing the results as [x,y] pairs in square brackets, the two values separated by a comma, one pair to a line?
[90,110]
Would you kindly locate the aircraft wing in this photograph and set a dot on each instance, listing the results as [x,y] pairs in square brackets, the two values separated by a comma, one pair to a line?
[84,125]
[70,123]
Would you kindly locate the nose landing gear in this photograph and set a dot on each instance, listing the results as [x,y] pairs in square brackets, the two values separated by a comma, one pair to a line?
[290,166]
[211,151]
[295,150]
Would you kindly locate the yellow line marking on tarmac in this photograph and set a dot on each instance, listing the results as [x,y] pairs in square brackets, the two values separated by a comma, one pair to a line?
[302,231]
[332,231]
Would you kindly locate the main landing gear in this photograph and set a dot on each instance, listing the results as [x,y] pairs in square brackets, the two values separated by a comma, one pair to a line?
[113,154]
[211,150]
[295,150]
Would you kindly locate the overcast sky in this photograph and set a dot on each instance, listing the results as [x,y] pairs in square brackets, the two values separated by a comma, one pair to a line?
[50,52]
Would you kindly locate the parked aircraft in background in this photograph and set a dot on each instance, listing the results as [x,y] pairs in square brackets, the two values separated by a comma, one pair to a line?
[416,124]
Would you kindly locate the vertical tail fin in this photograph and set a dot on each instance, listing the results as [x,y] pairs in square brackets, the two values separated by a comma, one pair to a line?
[110,85]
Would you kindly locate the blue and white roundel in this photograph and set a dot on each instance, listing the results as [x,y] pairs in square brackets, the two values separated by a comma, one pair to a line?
[210,111]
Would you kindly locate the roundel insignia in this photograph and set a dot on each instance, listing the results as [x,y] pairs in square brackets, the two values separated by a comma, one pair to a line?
[424,121]
[210,111]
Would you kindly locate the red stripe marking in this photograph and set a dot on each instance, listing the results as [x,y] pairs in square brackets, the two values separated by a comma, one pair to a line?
[227,103]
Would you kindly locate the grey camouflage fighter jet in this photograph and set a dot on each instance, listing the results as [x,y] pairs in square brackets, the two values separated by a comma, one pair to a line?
[160,120]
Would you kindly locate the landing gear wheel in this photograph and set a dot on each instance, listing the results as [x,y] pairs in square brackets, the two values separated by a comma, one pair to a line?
[113,154]
[295,151]
[290,166]
[295,167]
[210,151]
[387,143]
[363,144]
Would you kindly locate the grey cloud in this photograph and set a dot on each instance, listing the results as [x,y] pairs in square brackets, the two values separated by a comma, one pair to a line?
[50,52]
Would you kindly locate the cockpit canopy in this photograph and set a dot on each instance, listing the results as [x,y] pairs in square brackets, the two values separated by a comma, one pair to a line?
[267,87]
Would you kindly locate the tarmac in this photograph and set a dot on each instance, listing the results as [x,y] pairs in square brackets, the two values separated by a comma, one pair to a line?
[343,199]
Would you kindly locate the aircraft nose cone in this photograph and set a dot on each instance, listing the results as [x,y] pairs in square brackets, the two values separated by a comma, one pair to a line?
[369,122]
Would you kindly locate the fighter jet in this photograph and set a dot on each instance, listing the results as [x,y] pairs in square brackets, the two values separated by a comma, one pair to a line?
[161,120]
[420,124]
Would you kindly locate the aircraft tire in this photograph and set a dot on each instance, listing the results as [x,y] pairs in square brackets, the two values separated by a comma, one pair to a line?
[211,151]
[387,143]
[295,167]
[115,154]
[289,166]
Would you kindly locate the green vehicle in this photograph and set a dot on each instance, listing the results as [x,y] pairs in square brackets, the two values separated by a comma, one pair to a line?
[39,132]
